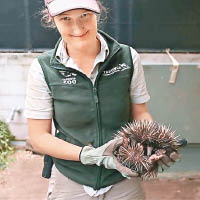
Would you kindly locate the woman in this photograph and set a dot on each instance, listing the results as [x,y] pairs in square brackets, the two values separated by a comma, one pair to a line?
[90,85]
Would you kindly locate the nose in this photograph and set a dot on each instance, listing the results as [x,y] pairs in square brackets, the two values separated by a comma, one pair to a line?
[77,29]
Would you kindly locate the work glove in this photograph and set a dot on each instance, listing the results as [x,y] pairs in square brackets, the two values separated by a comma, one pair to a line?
[168,160]
[170,156]
[164,158]
[103,155]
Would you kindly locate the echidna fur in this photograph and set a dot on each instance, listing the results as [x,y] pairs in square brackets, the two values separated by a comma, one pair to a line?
[141,139]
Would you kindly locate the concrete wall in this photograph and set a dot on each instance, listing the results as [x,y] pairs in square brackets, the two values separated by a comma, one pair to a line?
[13,77]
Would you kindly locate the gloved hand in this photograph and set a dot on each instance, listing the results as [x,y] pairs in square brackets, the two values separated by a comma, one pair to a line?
[167,160]
[164,158]
[170,158]
[103,155]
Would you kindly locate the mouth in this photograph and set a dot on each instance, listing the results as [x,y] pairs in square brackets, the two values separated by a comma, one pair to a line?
[80,36]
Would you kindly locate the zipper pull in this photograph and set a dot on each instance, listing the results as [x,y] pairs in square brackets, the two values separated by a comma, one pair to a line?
[95,95]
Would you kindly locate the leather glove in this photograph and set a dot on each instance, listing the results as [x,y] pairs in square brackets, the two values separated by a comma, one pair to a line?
[164,159]
[168,160]
[103,155]
[173,156]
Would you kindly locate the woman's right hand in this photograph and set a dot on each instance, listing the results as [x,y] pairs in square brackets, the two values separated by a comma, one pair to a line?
[44,142]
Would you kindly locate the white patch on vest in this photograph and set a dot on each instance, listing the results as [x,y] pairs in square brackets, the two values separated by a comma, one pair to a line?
[70,77]
[119,68]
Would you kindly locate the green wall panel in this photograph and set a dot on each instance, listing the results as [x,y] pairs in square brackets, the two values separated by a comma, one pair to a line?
[190,160]
[154,25]
[175,104]
[147,25]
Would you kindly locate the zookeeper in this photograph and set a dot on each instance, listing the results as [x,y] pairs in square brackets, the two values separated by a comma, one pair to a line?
[89,85]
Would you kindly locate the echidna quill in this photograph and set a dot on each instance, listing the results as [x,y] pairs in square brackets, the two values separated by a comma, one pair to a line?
[141,140]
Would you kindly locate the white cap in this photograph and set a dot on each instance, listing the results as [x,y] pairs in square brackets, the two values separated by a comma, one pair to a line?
[56,7]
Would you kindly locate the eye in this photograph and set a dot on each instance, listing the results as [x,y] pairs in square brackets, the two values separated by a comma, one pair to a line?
[85,15]
[65,18]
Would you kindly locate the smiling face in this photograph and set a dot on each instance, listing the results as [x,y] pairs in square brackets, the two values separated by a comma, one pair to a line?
[78,27]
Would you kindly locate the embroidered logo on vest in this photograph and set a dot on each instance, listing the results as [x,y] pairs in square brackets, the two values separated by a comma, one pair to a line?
[70,78]
[119,68]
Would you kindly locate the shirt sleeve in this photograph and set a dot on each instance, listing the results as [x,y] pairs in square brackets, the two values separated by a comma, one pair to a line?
[138,89]
[38,103]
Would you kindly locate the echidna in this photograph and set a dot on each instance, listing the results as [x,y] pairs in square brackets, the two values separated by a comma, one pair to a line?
[142,139]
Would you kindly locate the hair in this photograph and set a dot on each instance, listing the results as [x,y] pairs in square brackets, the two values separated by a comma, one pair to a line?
[48,22]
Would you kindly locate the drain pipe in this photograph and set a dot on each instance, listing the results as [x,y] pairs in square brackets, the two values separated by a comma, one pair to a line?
[11,116]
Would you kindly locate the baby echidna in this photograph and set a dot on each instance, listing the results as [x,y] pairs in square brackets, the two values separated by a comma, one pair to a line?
[141,140]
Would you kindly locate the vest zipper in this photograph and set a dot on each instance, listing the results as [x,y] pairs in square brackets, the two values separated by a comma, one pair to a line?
[99,133]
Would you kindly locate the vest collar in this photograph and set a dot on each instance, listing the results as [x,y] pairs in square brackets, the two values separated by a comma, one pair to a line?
[113,46]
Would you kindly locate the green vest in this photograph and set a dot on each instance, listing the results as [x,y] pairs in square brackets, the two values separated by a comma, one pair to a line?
[86,113]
